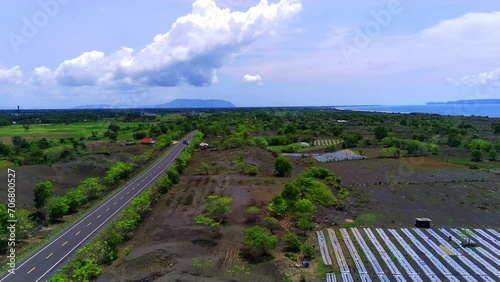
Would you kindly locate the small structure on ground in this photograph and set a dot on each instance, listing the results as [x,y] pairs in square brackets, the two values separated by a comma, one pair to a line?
[203,146]
[422,222]
[147,141]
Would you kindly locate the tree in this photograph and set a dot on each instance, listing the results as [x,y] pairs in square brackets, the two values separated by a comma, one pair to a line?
[91,188]
[259,238]
[165,184]
[292,242]
[43,191]
[278,205]
[219,207]
[174,176]
[4,216]
[116,172]
[476,155]
[260,142]
[253,211]
[283,167]
[496,127]
[211,223]
[139,135]
[304,222]
[381,132]
[270,222]
[454,140]
[75,198]
[87,270]
[304,206]
[291,192]
[58,207]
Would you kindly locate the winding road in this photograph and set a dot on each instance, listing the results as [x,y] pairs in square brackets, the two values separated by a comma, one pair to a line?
[47,260]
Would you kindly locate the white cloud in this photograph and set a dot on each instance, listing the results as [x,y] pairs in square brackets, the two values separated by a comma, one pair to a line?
[491,78]
[12,75]
[252,78]
[189,53]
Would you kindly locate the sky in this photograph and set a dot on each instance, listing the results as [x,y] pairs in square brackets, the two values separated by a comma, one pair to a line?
[254,53]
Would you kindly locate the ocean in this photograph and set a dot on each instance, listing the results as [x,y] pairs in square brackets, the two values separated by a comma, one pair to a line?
[472,109]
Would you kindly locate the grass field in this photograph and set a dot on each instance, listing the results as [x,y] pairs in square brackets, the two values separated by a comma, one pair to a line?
[57,131]
[5,164]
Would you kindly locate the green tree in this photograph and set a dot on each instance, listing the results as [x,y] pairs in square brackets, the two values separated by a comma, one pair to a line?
[278,205]
[476,155]
[174,176]
[116,172]
[381,132]
[454,140]
[4,216]
[291,192]
[75,198]
[43,191]
[260,142]
[271,223]
[58,207]
[292,242]
[496,127]
[164,183]
[304,206]
[205,167]
[219,207]
[91,188]
[87,270]
[283,167]
[304,222]
[259,238]
[210,223]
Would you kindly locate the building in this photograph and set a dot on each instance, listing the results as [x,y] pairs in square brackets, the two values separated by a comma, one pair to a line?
[203,146]
[147,141]
[423,222]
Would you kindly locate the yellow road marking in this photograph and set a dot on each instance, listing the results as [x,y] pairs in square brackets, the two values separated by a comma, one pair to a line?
[31,270]
[77,233]
[65,243]
[133,188]
[107,209]
[128,192]
[121,198]
[98,216]
[114,203]
[89,224]
[49,255]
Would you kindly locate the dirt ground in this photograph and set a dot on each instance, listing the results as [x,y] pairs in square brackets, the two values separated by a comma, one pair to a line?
[396,190]
[171,232]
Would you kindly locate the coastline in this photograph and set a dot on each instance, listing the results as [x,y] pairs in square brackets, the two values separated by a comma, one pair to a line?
[479,110]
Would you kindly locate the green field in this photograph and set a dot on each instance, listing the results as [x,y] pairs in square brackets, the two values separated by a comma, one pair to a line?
[57,131]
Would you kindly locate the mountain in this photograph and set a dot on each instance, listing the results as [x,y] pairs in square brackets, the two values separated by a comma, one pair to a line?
[196,103]
[92,107]
[474,101]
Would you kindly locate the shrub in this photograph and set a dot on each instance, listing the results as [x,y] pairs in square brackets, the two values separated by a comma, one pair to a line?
[292,242]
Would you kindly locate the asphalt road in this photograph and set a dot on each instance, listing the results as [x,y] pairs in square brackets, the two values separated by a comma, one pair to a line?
[47,260]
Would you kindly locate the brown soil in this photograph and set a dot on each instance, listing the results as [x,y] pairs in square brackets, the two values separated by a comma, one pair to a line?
[396,190]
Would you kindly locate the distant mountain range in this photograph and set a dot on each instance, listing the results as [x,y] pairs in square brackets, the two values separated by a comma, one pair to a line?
[196,103]
[175,104]
[473,101]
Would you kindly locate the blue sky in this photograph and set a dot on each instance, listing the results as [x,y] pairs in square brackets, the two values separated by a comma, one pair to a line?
[66,53]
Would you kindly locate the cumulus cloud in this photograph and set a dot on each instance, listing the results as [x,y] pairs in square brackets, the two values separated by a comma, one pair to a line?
[491,78]
[252,78]
[189,53]
[12,75]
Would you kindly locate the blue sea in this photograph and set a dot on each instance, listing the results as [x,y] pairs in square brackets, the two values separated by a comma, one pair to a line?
[472,109]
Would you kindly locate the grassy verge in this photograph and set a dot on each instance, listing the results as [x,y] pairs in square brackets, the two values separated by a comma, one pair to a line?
[480,165]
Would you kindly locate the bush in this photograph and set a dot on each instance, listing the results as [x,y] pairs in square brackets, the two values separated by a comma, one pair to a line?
[307,250]
[259,238]
[278,205]
[251,170]
[283,167]
[174,176]
[292,242]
